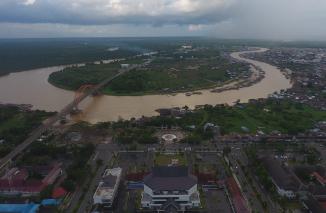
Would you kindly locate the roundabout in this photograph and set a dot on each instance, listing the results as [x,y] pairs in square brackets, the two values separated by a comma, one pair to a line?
[169,138]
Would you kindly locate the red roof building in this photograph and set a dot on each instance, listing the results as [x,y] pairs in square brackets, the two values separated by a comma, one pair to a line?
[17,181]
[59,193]
[319,178]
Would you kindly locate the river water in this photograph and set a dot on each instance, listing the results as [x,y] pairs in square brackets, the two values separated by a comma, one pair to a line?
[31,87]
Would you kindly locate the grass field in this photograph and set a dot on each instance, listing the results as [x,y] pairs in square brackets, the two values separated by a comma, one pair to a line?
[284,116]
[165,159]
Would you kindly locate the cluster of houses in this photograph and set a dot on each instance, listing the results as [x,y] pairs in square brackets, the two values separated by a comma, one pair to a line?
[18,181]
[306,68]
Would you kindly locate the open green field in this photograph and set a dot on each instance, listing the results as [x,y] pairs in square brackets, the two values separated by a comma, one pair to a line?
[165,159]
[15,125]
[270,115]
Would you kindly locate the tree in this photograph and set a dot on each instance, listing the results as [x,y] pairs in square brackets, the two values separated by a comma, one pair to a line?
[99,162]
[47,192]
[68,185]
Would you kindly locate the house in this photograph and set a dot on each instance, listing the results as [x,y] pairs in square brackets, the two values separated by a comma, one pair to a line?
[125,66]
[239,202]
[24,208]
[312,205]
[319,178]
[108,187]
[286,183]
[17,181]
[170,188]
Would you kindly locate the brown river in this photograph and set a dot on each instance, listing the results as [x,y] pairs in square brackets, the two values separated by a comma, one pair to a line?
[31,87]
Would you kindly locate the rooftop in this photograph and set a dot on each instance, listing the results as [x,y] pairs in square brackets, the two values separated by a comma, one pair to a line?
[108,185]
[281,175]
[169,178]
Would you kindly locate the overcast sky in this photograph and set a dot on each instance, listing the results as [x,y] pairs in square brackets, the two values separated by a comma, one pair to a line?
[262,19]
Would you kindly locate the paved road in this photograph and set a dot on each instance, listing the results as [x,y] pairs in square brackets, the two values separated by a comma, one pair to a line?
[103,152]
[247,188]
[238,154]
[49,122]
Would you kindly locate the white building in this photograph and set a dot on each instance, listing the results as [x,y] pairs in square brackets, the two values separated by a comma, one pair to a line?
[286,183]
[170,188]
[125,66]
[108,187]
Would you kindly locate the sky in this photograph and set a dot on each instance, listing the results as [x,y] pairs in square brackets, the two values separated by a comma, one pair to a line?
[249,19]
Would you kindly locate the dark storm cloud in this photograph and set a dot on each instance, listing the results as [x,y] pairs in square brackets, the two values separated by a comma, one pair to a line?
[271,19]
[104,12]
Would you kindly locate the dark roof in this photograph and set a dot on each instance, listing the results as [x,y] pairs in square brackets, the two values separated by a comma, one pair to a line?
[170,171]
[282,176]
[109,181]
[318,191]
[170,178]
[313,205]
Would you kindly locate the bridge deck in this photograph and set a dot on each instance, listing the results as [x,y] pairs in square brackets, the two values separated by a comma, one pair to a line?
[49,122]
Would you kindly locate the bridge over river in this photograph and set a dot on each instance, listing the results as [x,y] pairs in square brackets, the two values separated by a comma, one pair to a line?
[52,120]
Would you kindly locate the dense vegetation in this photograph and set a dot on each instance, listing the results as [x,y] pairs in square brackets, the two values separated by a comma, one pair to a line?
[135,135]
[16,124]
[73,77]
[24,54]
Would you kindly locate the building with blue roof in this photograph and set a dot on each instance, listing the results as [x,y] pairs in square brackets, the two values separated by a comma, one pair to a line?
[19,208]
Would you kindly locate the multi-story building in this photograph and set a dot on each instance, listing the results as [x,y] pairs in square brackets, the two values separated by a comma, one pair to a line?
[170,188]
[108,187]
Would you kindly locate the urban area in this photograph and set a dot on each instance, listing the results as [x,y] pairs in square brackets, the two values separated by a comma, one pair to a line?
[262,155]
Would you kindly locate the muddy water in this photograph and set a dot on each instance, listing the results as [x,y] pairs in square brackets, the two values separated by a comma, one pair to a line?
[31,87]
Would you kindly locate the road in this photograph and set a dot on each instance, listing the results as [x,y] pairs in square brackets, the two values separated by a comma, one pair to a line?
[49,122]
[105,153]
[237,155]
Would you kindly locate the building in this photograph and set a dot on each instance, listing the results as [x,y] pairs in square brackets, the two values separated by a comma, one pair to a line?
[319,178]
[17,181]
[169,189]
[108,187]
[125,66]
[286,183]
[24,208]
[238,201]
[312,205]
